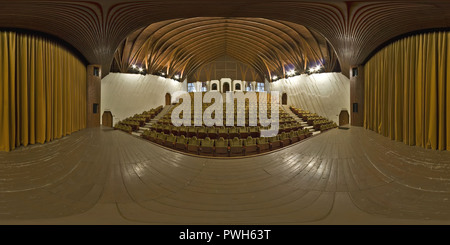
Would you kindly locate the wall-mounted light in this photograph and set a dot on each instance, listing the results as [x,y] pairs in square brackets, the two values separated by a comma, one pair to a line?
[274,77]
[134,66]
[176,76]
[141,69]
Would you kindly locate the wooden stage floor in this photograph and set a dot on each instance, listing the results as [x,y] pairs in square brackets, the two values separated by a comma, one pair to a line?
[102,176]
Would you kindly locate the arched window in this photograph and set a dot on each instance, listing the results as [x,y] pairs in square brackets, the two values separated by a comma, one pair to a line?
[237,86]
[214,86]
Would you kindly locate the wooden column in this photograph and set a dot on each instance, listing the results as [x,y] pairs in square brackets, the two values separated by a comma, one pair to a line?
[94,74]
[357,95]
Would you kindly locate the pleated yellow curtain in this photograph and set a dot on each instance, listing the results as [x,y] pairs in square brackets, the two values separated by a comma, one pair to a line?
[407,91]
[42,89]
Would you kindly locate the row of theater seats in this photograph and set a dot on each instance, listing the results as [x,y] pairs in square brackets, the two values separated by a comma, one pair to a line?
[133,123]
[318,122]
[224,132]
[222,147]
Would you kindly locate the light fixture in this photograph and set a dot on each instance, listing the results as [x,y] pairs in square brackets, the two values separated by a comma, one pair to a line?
[315,69]
[163,74]
[133,66]
[291,73]
[318,68]
[177,77]
[141,69]
[274,77]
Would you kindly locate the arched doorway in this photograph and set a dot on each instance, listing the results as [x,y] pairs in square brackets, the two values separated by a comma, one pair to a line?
[237,86]
[168,99]
[344,118]
[284,99]
[226,87]
[214,87]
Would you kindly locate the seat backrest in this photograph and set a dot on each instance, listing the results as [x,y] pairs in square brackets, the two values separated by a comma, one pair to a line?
[181,139]
[249,141]
[193,141]
[207,142]
[236,142]
[261,140]
[221,142]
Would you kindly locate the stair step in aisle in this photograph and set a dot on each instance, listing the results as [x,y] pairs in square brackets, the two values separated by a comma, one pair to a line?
[152,121]
[300,120]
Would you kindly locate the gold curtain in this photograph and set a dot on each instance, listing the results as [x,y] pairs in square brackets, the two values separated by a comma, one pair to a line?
[407,91]
[42,89]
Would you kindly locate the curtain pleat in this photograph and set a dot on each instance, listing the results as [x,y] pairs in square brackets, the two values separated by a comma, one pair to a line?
[407,94]
[42,89]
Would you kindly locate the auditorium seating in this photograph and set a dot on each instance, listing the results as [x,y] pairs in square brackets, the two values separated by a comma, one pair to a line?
[223,141]
[318,122]
[181,143]
[193,145]
[236,147]
[207,146]
[250,145]
[221,147]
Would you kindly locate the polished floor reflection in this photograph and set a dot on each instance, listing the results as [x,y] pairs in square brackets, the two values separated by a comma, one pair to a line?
[102,176]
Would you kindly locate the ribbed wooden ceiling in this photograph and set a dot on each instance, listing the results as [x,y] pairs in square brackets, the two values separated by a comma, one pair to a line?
[96,28]
[182,46]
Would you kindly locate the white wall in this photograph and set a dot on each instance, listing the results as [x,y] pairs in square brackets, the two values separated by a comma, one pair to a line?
[325,94]
[128,94]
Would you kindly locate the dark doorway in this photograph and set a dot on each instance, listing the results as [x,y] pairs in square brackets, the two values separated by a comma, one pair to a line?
[344,118]
[226,87]
[168,99]
[214,86]
[284,99]
[107,119]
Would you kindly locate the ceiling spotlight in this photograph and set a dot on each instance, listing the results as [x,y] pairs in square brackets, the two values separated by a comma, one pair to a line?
[163,74]
[133,66]
[177,77]
[318,68]
[274,77]
[291,73]
[141,69]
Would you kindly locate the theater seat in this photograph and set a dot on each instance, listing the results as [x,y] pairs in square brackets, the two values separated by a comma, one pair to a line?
[250,145]
[193,145]
[301,134]
[223,132]
[201,132]
[212,132]
[233,132]
[170,141]
[254,132]
[243,132]
[293,136]
[161,138]
[182,131]
[152,136]
[191,132]
[221,147]
[174,130]
[236,148]
[285,139]
[262,144]
[274,142]
[166,129]
[181,143]
[207,146]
